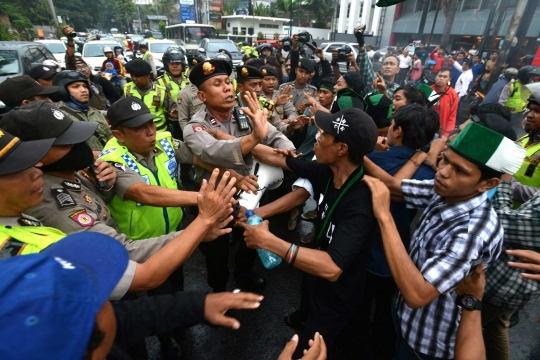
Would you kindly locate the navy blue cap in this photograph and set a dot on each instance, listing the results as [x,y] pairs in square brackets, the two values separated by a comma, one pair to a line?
[52,298]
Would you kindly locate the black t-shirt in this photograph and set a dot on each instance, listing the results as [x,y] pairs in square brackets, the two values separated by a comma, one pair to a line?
[349,234]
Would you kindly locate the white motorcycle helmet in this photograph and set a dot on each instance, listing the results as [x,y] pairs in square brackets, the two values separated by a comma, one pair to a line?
[107,49]
[52,64]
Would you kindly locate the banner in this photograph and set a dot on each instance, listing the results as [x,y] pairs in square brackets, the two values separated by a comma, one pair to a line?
[187,11]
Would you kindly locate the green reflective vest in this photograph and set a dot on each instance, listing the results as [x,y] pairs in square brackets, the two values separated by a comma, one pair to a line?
[139,221]
[154,99]
[528,173]
[168,83]
[514,103]
[24,240]
[146,55]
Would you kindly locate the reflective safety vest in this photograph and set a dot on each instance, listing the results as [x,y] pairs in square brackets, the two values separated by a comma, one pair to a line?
[146,55]
[528,173]
[140,221]
[172,86]
[514,103]
[154,99]
[24,240]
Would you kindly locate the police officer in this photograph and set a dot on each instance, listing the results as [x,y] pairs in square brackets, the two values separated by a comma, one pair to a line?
[74,92]
[155,96]
[149,58]
[216,91]
[284,115]
[300,85]
[173,80]
[265,50]
[511,93]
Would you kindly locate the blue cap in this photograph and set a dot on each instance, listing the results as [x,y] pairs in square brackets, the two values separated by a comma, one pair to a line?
[249,213]
[51,298]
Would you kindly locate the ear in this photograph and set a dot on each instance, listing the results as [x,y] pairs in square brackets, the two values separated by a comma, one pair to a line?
[201,96]
[398,132]
[488,184]
[118,135]
[343,149]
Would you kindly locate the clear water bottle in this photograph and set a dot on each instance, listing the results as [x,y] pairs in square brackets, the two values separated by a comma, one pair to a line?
[268,258]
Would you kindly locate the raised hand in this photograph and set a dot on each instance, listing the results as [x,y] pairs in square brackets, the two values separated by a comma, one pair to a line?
[317,349]
[382,144]
[105,172]
[290,152]
[215,202]
[284,96]
[258,116]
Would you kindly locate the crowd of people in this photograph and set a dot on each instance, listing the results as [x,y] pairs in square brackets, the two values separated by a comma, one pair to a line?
[424,240]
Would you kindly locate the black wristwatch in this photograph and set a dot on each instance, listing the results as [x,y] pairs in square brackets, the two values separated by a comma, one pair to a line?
[469,302]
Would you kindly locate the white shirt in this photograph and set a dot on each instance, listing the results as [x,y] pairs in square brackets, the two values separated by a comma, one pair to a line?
[405,62]
[370,54]
[462,84]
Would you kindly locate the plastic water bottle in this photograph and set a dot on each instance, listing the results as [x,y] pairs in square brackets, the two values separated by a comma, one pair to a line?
[268,258]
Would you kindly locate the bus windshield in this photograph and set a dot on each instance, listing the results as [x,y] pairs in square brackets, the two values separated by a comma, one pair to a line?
[195,34]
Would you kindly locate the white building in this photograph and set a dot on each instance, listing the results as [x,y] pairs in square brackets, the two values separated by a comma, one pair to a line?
[142,2]
[352,13]
[238,24]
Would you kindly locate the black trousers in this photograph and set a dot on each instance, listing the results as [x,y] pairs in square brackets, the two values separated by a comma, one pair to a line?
[217,259]
[378,335]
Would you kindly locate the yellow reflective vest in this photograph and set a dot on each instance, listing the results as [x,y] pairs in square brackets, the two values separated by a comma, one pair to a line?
[514,103]
[140,221]
[528,173]
[24,240]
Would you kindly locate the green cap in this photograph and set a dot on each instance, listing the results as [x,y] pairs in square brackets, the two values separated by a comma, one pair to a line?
[431,95]
[379,106]
[488,148]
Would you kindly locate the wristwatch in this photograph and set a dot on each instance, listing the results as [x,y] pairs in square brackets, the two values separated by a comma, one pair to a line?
[469,302]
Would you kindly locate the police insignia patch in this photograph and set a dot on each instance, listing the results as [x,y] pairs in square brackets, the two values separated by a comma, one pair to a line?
[213,121]
[194,62]
[197,128]
[87,198]
[176,144]
[299,64]
[82,218]
[245,71]
[208,68]
[63,198]
[264,72]
[71,185]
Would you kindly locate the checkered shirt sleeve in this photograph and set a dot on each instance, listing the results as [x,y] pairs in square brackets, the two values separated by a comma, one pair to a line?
[505,287]
[366,70]
[417,193]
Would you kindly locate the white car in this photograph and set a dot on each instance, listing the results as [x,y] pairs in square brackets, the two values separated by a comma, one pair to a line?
[328,47]
[158,47]
[93,54]
[58,49]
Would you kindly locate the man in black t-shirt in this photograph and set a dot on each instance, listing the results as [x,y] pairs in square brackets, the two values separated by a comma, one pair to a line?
[345,224]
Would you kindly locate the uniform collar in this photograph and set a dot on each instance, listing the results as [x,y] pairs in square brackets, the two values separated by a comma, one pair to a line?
[14,220]
[210,119]
[142,160]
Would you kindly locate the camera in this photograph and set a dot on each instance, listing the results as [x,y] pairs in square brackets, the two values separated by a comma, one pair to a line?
[365,33]
[343,51]
[303,38]
[287,44]
[72,34]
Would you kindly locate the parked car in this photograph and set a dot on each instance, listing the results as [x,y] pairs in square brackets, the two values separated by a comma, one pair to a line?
[158,47]
[18,57]
[93,55]
[208,48]
[58,49]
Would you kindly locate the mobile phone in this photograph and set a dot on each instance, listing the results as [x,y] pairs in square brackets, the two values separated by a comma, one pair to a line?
[100,184]
[307,112]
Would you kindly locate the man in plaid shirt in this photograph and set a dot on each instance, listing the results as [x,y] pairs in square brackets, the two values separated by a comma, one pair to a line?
[457,231]
[384,84]
[506,290]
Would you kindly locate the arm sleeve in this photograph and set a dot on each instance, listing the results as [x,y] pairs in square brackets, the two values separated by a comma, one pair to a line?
[183,107]
[148,316]
[108,90]
[125,180]
[450,124]
[295,56]
[521,226]
[326,68]
[125,282]
[417,194]
[183,155]
[309,170]
[225,153]
[277,140]
[152,65]
[505,94]
[366,70]
[522,193]
[457,66]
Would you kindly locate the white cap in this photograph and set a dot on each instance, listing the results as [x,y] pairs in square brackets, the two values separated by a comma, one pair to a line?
[107,49]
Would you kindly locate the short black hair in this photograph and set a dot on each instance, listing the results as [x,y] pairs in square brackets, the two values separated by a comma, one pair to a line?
[390,55]
[412,94]
[355,81]
[493,108]
[329,81]
[487,173]
[467,61]
[418,124]
[444,69]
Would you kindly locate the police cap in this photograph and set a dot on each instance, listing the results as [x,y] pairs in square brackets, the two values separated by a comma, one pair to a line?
[138,67]
[268,70]
[208,69]
[247,72]
[306,64]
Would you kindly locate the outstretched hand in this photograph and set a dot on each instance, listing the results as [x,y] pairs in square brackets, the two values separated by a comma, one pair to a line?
[289,152]
[284,96]
[531,262]
[258,116]
[217,304]
[317,349]
[215,202]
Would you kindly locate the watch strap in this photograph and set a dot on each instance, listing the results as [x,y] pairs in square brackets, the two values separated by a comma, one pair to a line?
[477,303]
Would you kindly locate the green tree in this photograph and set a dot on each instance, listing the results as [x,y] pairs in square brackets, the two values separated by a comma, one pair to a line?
[284,7]
[21,25]
[229,7]
[161,26]
[261,10]
[322,11]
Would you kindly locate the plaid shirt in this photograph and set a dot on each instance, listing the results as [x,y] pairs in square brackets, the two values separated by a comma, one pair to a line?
[367,72]
[505,286]
[449,240]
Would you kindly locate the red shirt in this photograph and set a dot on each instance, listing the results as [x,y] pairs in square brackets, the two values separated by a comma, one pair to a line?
[440,61]
[447,109]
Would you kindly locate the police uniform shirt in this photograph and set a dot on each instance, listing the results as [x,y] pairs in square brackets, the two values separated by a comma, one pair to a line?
[168,104]
[125,281]
[183,155]
[188,104]
[224,153]
[75,206]
[298,94]
[286,111]
[169,88]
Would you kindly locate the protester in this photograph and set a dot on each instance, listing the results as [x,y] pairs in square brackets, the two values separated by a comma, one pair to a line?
[490,66]
[423,54]
[405,64]
[447,104]
[441,60]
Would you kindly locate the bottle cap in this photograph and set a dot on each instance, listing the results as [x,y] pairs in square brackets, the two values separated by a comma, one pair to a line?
[249,213]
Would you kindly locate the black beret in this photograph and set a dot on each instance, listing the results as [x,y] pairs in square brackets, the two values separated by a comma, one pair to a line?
[138,67]
[248,72]
[195,60]
[306,64]
[268,70]
[257,63]
[208,69]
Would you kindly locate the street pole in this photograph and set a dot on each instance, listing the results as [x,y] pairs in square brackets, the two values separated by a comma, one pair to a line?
[53,13]
[510,34]
[290,23]
[434,21]
[422,24]
[140,23]
[521,32]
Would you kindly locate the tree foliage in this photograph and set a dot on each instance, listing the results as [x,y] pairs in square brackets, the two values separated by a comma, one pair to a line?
[20,24]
